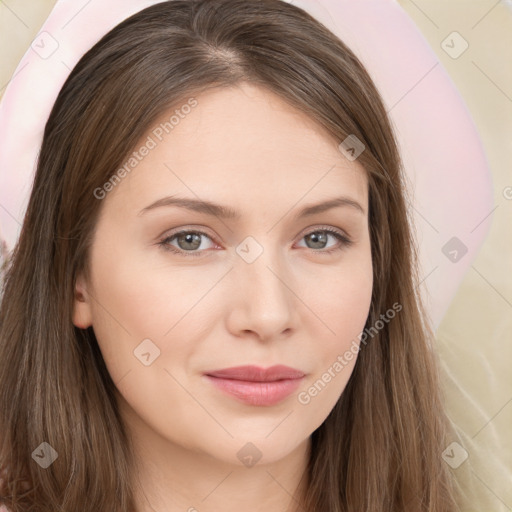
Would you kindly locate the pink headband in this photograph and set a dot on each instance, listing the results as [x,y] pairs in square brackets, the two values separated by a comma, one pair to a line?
[441,150]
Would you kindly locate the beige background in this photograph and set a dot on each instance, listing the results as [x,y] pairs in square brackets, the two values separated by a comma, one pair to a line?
[474,339]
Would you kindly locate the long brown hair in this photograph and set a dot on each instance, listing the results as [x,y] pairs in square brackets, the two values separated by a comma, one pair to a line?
[380,448]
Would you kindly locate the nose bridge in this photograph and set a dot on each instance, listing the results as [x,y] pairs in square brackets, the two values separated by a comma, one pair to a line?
[265,293]
[262,265]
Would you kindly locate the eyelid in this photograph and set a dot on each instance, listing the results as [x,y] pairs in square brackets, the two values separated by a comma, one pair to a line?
[324,227]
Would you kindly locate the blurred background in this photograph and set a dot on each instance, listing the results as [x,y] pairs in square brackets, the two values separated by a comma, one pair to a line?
[475,337]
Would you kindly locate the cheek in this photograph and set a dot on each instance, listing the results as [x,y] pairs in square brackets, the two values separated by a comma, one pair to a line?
[141,298]
[346,319]
[344,299]
[343,303]
[354,301]
[135,302]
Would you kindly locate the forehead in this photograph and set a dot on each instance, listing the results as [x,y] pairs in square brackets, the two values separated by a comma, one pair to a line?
[240,145]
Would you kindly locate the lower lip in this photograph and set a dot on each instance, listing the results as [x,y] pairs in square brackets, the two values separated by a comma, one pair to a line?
[257,393]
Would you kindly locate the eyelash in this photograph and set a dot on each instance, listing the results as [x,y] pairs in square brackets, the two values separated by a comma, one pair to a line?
[345,241]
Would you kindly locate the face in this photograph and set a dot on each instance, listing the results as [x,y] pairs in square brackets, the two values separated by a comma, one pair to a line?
[178,292]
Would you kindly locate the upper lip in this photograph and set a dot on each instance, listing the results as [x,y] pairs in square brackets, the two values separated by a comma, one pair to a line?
[257,374]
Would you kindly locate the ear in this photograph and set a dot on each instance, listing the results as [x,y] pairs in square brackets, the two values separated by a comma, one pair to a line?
[82,313]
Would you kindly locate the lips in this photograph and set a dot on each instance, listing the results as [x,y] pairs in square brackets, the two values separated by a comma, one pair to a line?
[257,386]
[256,374]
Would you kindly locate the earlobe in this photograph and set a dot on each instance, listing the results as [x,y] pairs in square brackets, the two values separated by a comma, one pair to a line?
[82,315]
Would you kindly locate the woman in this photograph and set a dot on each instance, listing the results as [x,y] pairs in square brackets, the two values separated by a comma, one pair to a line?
[284,365]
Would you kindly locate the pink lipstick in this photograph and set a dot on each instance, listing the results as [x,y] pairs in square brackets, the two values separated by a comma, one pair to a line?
[257,386]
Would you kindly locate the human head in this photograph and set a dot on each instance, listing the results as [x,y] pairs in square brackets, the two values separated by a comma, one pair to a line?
[115,94]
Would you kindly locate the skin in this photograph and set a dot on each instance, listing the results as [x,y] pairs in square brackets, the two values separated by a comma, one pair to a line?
[297,305]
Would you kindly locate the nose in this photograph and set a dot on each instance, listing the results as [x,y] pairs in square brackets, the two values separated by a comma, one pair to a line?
[263,300]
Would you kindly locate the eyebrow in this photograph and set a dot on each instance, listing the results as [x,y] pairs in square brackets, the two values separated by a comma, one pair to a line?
[225,212]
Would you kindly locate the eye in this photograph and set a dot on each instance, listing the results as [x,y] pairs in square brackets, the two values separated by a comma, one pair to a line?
[319,237]
[190,241]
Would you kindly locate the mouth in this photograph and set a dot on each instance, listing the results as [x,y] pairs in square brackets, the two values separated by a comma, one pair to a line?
[257,386]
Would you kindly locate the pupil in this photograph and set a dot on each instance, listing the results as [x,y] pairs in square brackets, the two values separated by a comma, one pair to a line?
[189,239]
[318,239]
